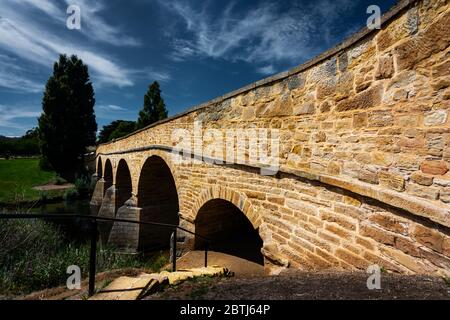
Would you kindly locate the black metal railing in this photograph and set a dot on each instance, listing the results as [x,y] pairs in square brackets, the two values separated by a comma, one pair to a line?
[94,236]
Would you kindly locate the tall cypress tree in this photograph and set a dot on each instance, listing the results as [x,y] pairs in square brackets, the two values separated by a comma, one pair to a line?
[67,125]
[154,107]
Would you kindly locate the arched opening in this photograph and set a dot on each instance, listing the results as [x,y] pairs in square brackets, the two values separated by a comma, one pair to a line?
[108,176]
[158,199]
[99,168]
[229,229]
[123,184]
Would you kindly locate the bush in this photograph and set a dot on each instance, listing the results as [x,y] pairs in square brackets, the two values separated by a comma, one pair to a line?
[35,254]
[83,186]
[71,194]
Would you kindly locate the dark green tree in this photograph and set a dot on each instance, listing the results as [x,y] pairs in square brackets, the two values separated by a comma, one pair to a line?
[115,130]
[154,107]
[67,125]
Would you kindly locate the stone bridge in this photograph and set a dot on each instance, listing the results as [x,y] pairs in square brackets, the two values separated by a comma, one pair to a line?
[364,154]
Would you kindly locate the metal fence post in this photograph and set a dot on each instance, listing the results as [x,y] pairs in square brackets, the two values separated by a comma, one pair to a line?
[206,254]
[92,258]
[174,253]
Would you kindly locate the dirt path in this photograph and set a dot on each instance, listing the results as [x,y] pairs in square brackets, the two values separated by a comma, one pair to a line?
[54,187]
[307,286]
[240,267]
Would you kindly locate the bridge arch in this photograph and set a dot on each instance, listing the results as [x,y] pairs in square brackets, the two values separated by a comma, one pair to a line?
[99,168]
[227,218]
[123,183]
[108,175]
[158,199]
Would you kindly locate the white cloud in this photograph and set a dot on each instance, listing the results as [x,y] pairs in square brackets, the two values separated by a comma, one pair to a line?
[36,42]
[10,113]
[16,78]
[270,69]
[114,112]
[46,6]
[111,107]
[95,27]
[263,35]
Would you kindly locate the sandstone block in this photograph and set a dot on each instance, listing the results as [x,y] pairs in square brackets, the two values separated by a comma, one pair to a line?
[445,195]
[385,68]
[430,193]
[422,178]
[368,176]
[377,234]
[431,238]
[436,118]
[434,167]
[390,223]
[392,180]
[363,100]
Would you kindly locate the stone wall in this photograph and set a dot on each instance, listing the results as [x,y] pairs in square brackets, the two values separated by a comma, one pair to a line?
[365,151]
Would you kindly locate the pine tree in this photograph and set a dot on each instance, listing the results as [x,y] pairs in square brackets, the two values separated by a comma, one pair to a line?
[67,125]
[154,107]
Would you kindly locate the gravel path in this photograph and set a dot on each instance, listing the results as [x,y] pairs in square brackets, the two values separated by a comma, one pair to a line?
[301,286]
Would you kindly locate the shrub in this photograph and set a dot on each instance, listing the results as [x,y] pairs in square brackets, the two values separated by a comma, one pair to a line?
[71,194]
[35,254]
[83,186]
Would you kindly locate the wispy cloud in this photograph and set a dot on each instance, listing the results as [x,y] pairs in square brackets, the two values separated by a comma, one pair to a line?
[16,78]
[114,112]
[8,115]
[39,43]
[266,70]
[111,107]
[95,27]
[262,36]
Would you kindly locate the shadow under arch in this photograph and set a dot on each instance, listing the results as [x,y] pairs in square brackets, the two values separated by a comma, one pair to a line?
[158,200]
[99,168]
[123,183]
[108,175]
[229,229]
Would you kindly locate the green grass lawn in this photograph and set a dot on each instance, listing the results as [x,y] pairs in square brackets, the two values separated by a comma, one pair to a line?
[18,176]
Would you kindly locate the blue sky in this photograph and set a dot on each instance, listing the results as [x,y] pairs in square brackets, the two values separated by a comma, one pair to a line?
[197,50]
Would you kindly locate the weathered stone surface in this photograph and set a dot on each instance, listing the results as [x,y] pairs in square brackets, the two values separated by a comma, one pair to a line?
[436,118]
[307,108]
[295,82]
[360,120]
[422,178]
[368,176]
[377,234]
[390,222]
[364,100]
[431,193]
[392,180]
[385,67]
[434,39]
[434,167]
[429,237]
[444,194]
